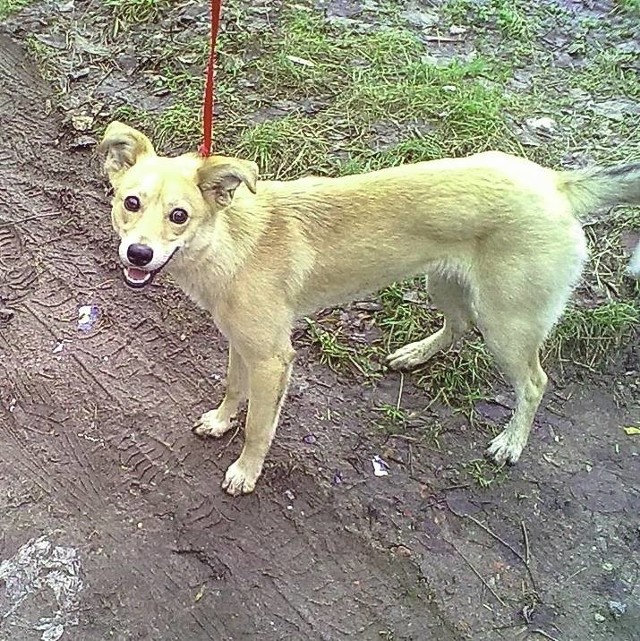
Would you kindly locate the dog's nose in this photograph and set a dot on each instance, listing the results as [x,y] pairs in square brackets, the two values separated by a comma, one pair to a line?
[139,255]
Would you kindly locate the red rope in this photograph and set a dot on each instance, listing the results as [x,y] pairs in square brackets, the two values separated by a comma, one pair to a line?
[210,82]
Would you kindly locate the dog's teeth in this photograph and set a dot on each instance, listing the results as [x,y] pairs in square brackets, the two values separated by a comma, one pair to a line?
[135,275]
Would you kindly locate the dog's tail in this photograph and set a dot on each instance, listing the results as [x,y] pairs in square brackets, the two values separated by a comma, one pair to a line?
[591,189]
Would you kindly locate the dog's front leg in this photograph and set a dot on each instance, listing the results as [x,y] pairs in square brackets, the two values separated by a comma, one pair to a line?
[218,421]
[268,380]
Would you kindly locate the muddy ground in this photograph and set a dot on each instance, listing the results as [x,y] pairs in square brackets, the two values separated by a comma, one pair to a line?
[112,521]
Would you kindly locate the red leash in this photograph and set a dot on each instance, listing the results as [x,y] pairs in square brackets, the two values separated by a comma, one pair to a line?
[210,82]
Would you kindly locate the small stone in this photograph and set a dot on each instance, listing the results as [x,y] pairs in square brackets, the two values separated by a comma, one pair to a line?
[545,126]
[81,122]
[598,617]
[617,609]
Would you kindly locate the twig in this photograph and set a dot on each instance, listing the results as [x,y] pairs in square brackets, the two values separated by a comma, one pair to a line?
[473,569]
[544,634]
[7,223]
[525,559]
[525,536]
[400,390]
[233,436]
[442,39]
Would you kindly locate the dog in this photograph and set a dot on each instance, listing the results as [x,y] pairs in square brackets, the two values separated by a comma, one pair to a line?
[498,237]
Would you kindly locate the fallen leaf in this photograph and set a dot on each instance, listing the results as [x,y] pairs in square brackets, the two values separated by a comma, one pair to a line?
[301,61]
[630,430]
[200,593]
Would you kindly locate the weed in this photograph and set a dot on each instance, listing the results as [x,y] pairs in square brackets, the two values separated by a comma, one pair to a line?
[589,336]
[630,7]
[485,473]
[393,418]
[459,376]
[135,11]
[7,7]
[338,352]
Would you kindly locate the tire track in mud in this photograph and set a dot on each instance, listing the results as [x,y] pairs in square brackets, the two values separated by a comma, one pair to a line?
[99,422]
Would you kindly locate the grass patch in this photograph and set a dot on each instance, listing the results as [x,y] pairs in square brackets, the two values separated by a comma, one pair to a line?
[485,473]
[357,82]
[513,19]
[393,419]
[590,336]
[7,7]
[287,146]
[127,12]
[630,7]
[44,57]
[459,376]
[339,352]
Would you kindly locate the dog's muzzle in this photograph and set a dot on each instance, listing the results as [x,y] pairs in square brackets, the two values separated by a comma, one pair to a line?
[138,277]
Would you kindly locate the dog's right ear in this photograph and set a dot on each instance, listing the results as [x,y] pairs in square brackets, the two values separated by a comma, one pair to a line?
[123,146]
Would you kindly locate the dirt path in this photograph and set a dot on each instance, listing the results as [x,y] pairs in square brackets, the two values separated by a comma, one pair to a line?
[98,459]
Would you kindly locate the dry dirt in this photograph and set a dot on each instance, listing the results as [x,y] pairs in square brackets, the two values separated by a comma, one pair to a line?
[140,542]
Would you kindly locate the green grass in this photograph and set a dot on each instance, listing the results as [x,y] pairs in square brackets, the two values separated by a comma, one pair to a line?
[513,19]
[360,80]
[393,419]
[630,7]
[338,352]
[127,12]
[590,336]
[485,473]
[7,7]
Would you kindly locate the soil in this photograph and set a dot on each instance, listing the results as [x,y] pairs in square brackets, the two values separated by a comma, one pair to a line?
[113,524]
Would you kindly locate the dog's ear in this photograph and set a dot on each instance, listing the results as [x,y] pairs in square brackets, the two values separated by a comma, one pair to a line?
[123,146]
[219,177]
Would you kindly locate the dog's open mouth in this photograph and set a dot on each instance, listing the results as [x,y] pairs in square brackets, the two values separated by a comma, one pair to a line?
[137,277]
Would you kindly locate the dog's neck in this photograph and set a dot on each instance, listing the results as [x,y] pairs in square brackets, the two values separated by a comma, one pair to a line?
[207,266]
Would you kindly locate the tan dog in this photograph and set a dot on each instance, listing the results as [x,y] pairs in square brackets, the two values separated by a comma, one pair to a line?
[496,234]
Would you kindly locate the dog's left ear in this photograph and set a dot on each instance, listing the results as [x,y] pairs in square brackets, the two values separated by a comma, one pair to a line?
[219,177]
[123,146]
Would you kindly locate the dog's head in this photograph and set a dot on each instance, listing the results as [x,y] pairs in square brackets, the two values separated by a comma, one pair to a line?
[160,202]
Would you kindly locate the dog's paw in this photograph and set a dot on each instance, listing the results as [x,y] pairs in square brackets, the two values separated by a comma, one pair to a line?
[505,448]
[417,353]
[404,358]
[241,478]
[210,424]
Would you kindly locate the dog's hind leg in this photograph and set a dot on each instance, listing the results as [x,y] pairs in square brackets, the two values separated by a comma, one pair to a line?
[516,309]
[452,298]
[218,421]
[268,381]
[519,361]
[514,321]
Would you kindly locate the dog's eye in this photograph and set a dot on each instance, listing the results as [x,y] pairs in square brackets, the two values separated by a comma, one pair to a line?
[131,203]
[178,216]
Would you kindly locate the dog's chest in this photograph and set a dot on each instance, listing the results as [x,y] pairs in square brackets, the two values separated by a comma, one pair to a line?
[203,291]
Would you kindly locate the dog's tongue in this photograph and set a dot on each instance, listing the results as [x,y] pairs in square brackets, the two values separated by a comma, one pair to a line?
[136,274]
